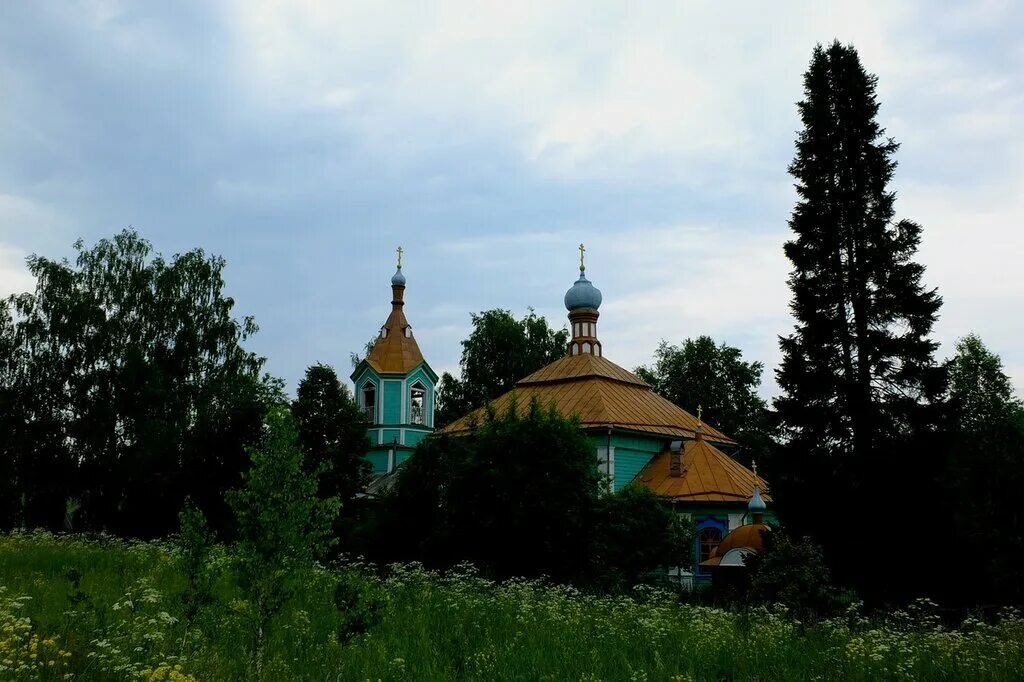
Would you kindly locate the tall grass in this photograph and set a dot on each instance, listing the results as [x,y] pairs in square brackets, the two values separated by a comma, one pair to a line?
[112,610]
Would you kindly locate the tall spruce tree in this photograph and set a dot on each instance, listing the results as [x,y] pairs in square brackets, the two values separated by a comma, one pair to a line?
[857,374]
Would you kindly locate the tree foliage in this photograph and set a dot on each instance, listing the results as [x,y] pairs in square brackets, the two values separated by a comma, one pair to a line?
[980,392]
[332,432]
[859,383]
[792,572]
[194,543]
[499,351]
[985,475]
[635,532]
[859,362]
[517,495]
[699,373]
[283,526]
[126,388]
[521,495]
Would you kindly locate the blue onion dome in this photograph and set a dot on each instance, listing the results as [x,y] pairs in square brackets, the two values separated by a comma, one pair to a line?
[756,504]
[398,279]
[583,294]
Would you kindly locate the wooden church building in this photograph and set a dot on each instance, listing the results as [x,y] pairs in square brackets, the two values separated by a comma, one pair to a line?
[639,437]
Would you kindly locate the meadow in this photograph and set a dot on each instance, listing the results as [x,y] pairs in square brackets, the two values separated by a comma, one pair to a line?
[105,609]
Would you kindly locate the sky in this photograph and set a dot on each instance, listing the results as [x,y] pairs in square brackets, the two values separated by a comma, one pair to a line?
[304,141]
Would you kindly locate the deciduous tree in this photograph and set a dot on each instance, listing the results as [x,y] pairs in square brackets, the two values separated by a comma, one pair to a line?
[985,475]
[283,526]
[499,351]
[700,373]
[129,388]
[517,495]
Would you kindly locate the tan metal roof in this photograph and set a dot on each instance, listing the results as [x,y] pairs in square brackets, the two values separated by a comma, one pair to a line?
[396,352]
[580,367]
[709,475]
[601,394]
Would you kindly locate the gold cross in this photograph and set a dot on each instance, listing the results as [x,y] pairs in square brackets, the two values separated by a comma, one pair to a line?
[400,252]
[753,465]
[582,250]
[700,414]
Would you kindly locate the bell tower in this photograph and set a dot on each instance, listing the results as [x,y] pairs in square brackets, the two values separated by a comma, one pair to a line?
[395,386]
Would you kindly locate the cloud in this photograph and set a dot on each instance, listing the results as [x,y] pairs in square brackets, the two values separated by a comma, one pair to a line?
[14,275]
[305,140]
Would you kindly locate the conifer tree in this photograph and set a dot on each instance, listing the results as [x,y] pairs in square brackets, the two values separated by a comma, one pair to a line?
[857,374]
[332,432]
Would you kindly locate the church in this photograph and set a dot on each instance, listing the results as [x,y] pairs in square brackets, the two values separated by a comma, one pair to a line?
[638,436]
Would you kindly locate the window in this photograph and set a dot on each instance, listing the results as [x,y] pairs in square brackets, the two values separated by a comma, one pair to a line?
[709,538]
[417,415]
[408,332]
[370,401]
[383,332]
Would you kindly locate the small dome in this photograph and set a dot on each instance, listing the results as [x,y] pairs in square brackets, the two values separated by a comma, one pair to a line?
[583,294]
[398,279]
[748,539]
[756,504]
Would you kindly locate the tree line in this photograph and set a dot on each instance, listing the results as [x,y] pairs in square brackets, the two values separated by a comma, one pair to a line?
[126,389]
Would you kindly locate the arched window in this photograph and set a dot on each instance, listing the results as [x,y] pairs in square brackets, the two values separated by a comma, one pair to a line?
[370,401]
[383,332]
[709,538]
[408,332]
[418,401]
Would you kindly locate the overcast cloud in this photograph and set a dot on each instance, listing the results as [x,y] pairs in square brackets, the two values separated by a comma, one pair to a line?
[303,141]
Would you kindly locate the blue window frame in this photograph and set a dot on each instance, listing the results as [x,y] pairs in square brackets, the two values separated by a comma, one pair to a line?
[710,532]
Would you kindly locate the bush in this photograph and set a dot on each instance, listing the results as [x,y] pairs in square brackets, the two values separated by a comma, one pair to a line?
[792,573]
[517,496]
[636,533]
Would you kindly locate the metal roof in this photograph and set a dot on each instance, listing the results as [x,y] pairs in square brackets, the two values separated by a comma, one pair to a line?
[395,353]
[601,394]
[709,475]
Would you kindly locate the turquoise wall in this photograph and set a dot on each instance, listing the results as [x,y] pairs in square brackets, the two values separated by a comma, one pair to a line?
[414,436]
[631,454]
[392,412]
[378,460]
